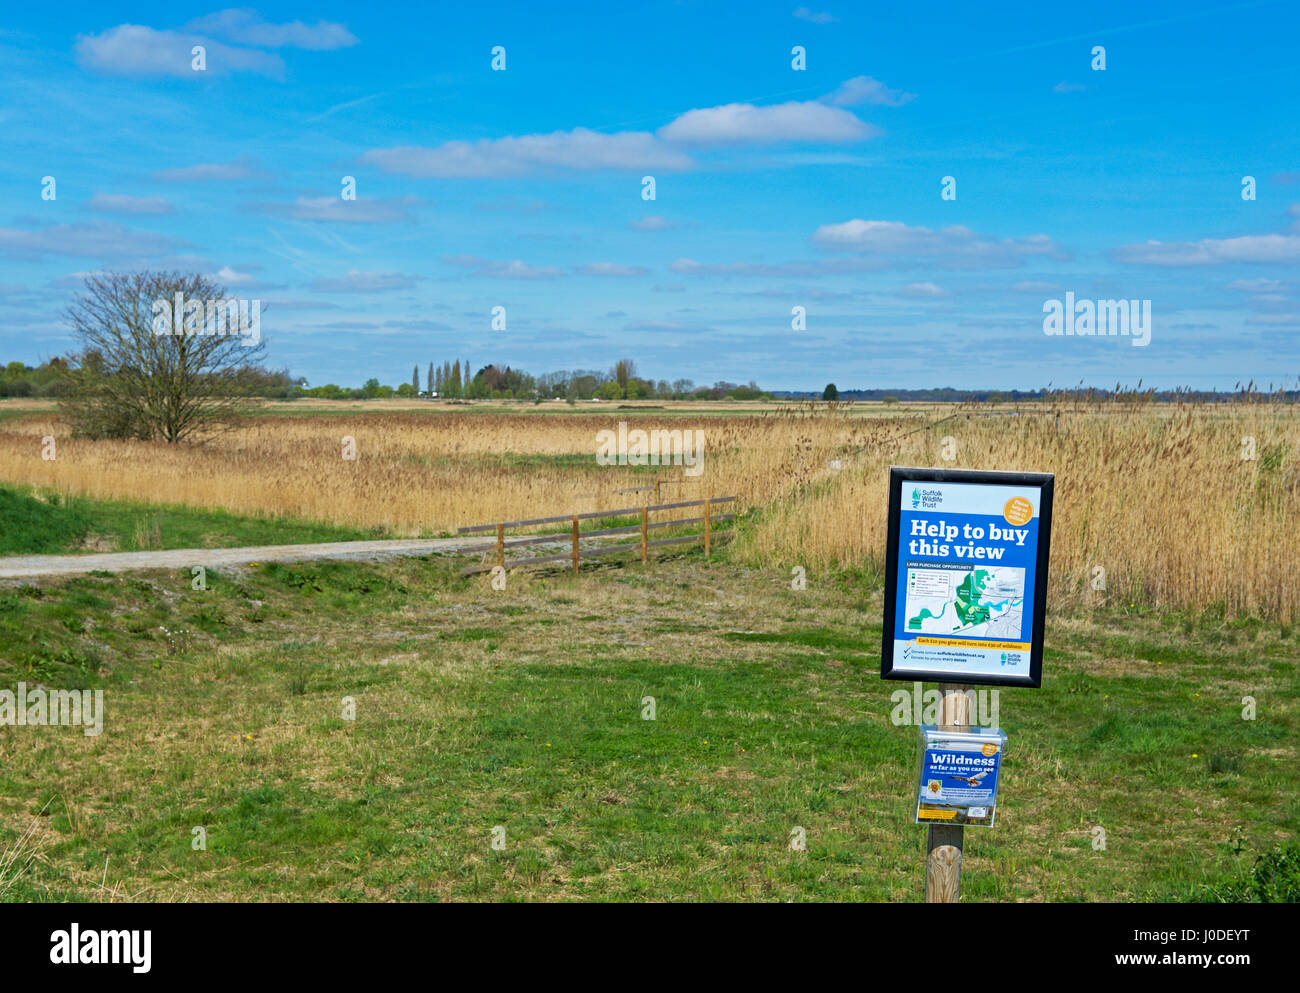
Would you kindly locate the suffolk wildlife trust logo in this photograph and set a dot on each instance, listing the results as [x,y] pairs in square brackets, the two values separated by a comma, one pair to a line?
[926,499]
[657,447]
[222,318]
[53,708]
[1099,318]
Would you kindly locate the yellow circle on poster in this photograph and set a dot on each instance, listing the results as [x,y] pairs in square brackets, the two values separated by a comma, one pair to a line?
[1018,511]
[990,749]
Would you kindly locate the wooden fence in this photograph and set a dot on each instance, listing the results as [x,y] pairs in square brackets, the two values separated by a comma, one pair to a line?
[577,552]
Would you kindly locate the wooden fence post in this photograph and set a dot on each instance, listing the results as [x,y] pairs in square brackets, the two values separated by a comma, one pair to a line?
[501,545]
[944,845]
[707,528]
[645,514]
[575,544]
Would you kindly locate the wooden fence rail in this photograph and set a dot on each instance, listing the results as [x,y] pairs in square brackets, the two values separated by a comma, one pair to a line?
[577,552]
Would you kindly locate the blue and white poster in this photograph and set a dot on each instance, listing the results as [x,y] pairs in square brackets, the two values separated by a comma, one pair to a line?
[965,581]
[959,776]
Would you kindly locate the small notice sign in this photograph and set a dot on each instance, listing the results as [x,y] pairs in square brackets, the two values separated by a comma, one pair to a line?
[958,782]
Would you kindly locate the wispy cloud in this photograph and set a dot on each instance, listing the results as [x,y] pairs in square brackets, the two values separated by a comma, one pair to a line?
[611,269]
[204,172]
[388,210]
[921,291]
[807,14]
[1264,248]
[91,239]
[653,222]
[579,149]
[246,27]
[135,50]
[863,89]
[121,203]
[355,281]
[501,270]
[956,245]
[138,50]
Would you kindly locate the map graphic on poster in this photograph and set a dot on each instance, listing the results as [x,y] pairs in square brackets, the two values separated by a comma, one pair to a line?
[979,603]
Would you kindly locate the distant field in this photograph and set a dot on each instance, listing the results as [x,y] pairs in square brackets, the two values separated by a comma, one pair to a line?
[523,710]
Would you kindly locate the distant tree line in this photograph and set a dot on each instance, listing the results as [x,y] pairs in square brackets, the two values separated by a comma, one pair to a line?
[452,380]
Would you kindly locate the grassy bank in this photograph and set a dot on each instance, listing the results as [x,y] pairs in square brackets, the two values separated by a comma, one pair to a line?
[45,522]
[523,710]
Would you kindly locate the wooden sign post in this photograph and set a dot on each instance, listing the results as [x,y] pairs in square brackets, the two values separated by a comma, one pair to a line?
[943,861]
[965,597]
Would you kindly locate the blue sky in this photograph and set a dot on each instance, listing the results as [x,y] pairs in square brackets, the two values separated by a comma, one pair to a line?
[775,188]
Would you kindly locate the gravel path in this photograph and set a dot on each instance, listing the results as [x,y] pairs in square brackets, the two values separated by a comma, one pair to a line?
[18,566]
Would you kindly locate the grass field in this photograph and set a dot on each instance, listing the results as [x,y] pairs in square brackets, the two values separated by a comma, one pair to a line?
[523,710]
[37,522]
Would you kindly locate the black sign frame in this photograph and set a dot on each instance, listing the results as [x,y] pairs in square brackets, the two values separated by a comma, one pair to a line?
[896,669]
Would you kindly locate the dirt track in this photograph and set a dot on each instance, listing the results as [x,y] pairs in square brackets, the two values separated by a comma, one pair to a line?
[19,566]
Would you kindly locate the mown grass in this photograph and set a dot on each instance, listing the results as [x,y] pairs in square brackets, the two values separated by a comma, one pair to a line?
[45,522]
[523,710]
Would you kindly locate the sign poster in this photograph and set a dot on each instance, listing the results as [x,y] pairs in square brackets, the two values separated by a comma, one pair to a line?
[959,776]
[966,576]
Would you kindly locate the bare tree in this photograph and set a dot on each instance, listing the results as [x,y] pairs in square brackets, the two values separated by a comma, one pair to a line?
[162,355]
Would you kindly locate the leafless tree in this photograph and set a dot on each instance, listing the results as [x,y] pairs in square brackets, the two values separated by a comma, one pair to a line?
[144,371]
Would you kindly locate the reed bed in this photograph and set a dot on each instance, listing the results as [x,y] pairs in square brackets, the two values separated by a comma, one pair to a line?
[1186,505]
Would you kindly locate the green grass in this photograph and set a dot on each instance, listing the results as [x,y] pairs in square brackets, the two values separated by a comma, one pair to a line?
[34,522]
[522,709]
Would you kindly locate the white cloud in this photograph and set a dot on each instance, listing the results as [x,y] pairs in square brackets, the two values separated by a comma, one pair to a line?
[1260,285]
[91,239]
[744,123]
[956,245]
[805,14]
[612,269]
[863,89]
[652,223]
[356,281]
[514,269]
[584,150]
[1213,251]
[814,268]
[1036,288]
[210,171]
[121,203]
[135,50]
[334,208]
[246,27]
[230,277]
[921,291]
[513,156]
